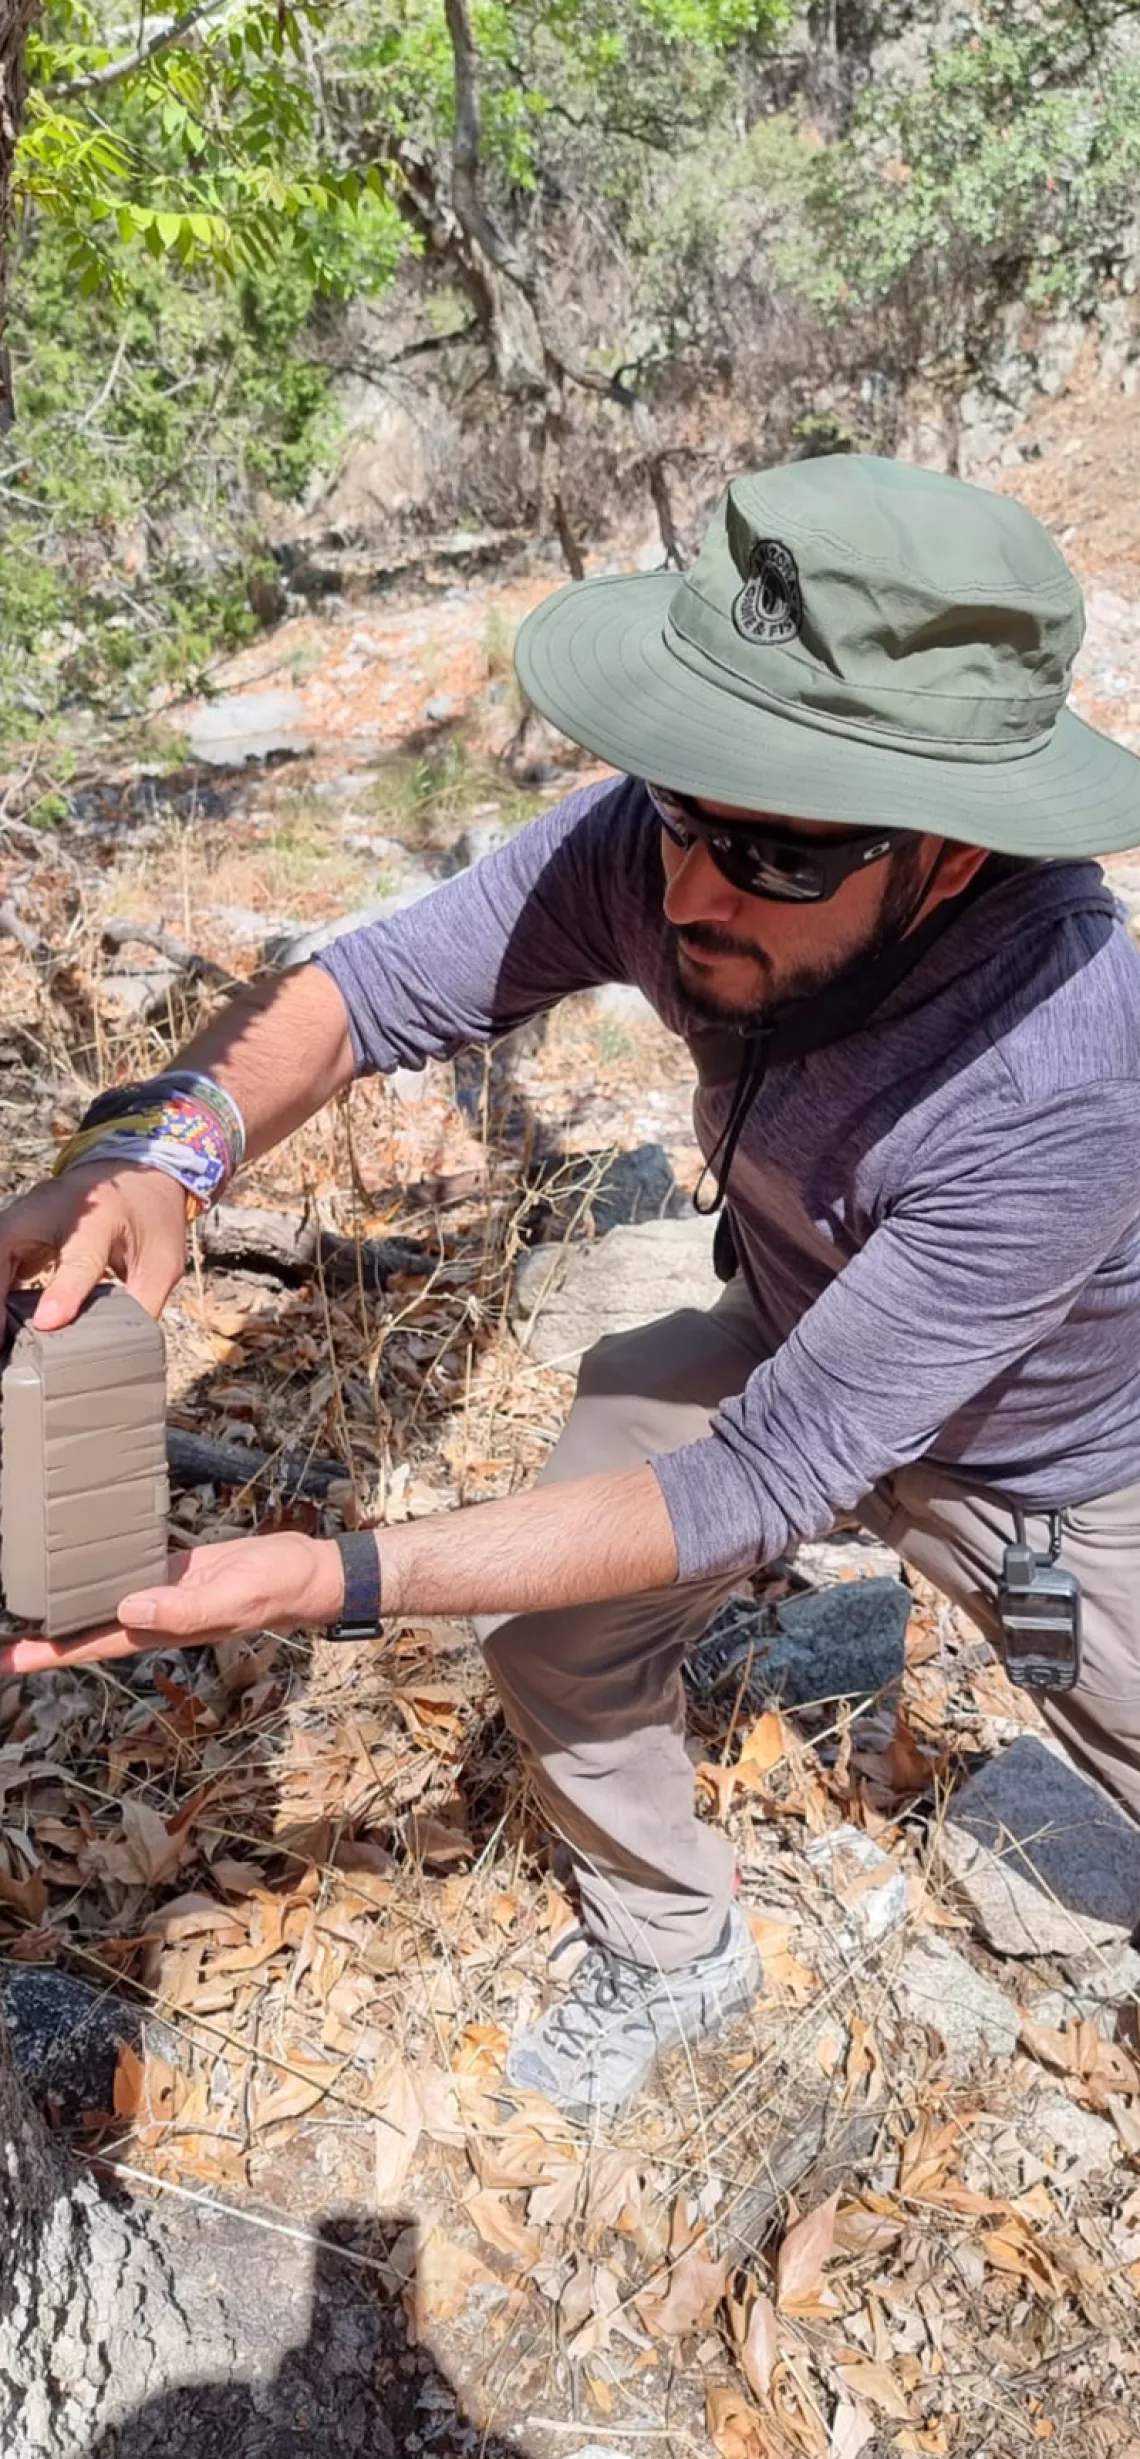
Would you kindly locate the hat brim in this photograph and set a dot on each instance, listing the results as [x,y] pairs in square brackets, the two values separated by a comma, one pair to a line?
[595,660]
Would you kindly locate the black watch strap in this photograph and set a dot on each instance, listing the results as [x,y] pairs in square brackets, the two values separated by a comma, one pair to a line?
[359,1616]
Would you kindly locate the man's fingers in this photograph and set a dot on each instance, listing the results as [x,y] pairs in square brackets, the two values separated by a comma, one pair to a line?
[20,1656]
[82,1264]
[152,1278]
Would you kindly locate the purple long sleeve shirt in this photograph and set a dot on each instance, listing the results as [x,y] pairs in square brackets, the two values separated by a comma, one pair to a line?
[939,1215]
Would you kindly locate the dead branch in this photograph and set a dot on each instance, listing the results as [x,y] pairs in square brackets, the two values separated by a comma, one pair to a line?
[823,2147]
[119,934]
[24,935]
[547,361]
[294,1245]
[114,71]
[194,1461]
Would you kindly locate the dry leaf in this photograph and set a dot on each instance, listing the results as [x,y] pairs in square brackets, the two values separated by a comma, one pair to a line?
[760,2347]
[734,2426]
[876,2384]
[799,2269]
[26,1896]
[148,1852]
[613,2190]
[398,2128]
[436,1844]
[852,2427]
[695,2287]
[441,2276]
[1126,2119]
[764,1745]
[501,2226]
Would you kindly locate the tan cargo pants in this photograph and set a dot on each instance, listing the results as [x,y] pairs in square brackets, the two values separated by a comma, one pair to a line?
[594,1693]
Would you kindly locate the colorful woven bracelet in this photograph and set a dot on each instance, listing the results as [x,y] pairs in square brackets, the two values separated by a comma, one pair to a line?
[124,1100]
[171,1131]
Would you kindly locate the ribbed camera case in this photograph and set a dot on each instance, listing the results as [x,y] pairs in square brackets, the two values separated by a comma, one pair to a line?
[84,1494]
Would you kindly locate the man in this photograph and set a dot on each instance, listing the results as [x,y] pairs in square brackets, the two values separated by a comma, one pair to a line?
[858,884]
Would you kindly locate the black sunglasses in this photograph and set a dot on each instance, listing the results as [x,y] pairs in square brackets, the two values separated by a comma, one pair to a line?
[772,862]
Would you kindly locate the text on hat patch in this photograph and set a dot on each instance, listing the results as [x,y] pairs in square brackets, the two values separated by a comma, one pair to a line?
[770,606]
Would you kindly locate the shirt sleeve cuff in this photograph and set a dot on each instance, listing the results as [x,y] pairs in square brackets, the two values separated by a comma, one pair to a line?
[711,1502]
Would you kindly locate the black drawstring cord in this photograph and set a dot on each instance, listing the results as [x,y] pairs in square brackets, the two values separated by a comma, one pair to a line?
[750,1076]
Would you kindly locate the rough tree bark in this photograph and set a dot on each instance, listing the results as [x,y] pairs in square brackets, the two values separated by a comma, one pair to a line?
[531,356]
[15,18]
[128,2332]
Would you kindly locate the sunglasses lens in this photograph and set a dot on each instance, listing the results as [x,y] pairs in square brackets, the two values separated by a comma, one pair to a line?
[763,868]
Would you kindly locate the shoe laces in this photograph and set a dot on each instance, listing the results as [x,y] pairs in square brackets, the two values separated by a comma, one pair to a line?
[604,1987]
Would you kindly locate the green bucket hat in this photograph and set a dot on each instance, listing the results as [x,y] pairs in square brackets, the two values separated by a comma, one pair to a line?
[860,642]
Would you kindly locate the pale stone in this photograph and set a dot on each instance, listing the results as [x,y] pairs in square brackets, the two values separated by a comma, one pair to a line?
[934,1985]
[566,1297]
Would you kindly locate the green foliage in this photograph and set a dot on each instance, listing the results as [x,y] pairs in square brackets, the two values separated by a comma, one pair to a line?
[1014,161]
[216,156]
[150,416]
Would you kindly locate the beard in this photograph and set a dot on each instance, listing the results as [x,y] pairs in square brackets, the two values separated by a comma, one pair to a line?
[827,973]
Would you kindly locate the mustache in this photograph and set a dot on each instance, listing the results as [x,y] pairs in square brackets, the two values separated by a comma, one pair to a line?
[704,939]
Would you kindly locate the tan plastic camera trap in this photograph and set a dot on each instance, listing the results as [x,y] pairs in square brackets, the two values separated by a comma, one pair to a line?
[84,1493]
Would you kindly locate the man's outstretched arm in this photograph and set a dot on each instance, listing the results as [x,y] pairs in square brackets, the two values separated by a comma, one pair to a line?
[281,1050]
[573,1544]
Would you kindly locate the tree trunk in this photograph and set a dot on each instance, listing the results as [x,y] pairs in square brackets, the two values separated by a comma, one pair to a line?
[15,18]
[128,2333]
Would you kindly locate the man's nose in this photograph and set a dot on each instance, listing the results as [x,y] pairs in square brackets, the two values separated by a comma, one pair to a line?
[698,892]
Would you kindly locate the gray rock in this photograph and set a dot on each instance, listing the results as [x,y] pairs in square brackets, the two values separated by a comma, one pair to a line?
[441,706]
[624,1003]
[249,726]
[1054,2123]
[143,993]
[1045,1862]
[619,1187]
[843,1642]
[287,952]
[934,1985]
[480,838]
[841,1857]
[248,927]
[566,1297]
[66,2037]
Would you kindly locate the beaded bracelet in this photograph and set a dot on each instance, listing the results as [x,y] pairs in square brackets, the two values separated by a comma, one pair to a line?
[181,1124]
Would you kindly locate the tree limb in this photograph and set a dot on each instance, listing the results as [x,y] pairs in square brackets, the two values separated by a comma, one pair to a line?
[115,70]
[492,261]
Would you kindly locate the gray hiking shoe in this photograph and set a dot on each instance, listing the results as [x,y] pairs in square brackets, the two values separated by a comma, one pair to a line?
[591,2051]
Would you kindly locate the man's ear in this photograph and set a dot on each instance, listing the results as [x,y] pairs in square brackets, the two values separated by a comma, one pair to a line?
[958,865]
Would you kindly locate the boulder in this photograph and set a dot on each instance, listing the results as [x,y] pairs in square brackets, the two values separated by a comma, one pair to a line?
[286,952]
[249,726]
[934,1985]
[565,1297]
[1043,1860]
[843,1642]
[66,2037]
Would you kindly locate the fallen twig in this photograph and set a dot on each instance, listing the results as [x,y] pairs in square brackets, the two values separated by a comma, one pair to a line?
[196,1461]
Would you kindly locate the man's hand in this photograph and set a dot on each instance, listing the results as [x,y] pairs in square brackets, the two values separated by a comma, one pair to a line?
[129,1220]
[216,1592]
